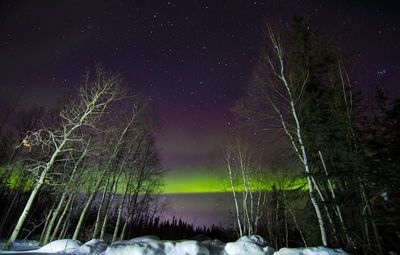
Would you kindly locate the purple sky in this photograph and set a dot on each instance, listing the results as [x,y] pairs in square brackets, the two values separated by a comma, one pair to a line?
[192,57]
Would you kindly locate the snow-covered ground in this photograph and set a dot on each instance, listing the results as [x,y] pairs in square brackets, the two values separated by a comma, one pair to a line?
[152,245]
[21,245]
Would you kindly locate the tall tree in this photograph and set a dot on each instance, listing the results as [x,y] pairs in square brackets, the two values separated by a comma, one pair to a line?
[300,86]
[249,196]
[95,96]
[381,147]
[278,86]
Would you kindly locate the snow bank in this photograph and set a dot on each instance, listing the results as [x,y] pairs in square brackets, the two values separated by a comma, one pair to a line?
[135,248]
[144,245]
[63,245]
[188,248]
[94,246]
[152,245]
[215,247]
[254,245]
[310,251]
[22,245]
[254,239]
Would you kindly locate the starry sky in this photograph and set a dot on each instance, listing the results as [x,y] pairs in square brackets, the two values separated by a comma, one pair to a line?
[193,58]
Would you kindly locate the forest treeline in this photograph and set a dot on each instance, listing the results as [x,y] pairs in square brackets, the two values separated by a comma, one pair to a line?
[91,164]
[344,143]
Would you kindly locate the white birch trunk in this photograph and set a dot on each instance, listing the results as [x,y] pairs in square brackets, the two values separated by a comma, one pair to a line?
[338,210]
[229,168]
[105,219]
[82,216]
[297,143]
[99,210]
[93,102]
[32,197]
[120,209]
[63,197]
[60,220]
[115,234]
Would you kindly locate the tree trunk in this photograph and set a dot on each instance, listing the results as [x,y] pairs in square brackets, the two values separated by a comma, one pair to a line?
[97,222]
[115,234]
[302,154]
[372,220]
[89,202]
[28,205]
[228,165]
[60,220]
[83,216]
[130,214]
[10,207]
[64,229]
[297,143]
[308,172]
[117,224]
[105,219]
[349,240]
[327,212]
[63,197]
[45,224]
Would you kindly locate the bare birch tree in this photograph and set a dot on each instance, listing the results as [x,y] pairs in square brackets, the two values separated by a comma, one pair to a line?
[279,87]
[112,168]
[64,194]
[106,170]
[95,96]
[244,180]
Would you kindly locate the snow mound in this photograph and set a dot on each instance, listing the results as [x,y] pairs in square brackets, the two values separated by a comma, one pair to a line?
[215,247]
[188,248]
[310,251]
[145,238]
[94,246]
[254,239]
[244,248]
[253,245]
[63,245]
[21,245]
[136,247]
[150,246]
[141,239]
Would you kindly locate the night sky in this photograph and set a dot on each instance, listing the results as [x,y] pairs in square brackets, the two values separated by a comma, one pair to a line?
[193,58]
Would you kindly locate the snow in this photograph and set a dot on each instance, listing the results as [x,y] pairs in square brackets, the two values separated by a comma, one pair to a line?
[188,248]
[22,245]
[255,245]
[94,246]
[152,245]
[63,245]
[254,239]
[215,247]
[310,251]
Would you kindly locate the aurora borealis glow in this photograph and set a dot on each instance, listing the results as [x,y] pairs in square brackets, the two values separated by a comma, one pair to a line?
[195,182]
[208,182]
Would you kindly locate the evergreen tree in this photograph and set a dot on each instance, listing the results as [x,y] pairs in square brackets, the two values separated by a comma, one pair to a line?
[381,143]
[327,118]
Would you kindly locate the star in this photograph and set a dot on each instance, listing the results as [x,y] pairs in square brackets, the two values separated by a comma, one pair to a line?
[381,72]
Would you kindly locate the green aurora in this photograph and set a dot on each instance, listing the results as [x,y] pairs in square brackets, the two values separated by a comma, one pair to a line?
[201,181]
[184,181]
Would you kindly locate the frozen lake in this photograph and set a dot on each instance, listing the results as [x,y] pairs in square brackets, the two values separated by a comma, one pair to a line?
[199,209]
